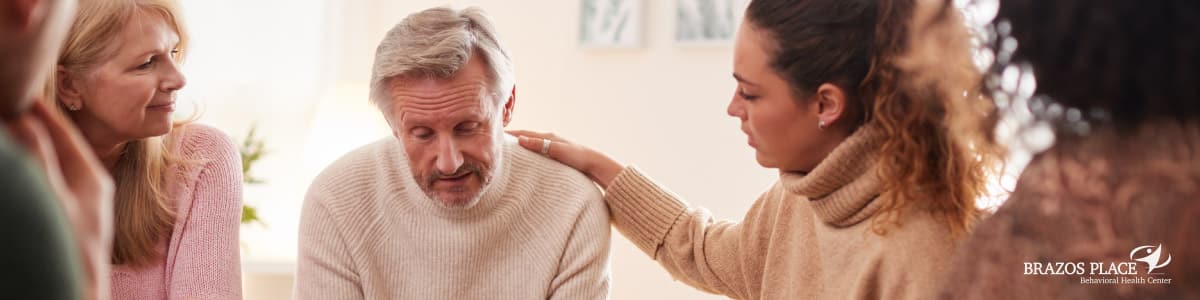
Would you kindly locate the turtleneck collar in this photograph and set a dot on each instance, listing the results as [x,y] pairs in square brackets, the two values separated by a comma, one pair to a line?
[843,187]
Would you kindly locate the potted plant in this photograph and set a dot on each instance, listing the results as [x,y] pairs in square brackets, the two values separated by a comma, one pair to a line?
[252,150]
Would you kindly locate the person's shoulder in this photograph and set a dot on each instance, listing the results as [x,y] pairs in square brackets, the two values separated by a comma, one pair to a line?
[534,167]
[361,167]
[908,260]
[43,248]
[21,177]
[919,226]
[202,142]
[543,181]
[356,184]
[10,152]
[921,242]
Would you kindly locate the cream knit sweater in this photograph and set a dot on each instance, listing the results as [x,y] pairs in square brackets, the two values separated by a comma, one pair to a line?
[808,237]
[539,232]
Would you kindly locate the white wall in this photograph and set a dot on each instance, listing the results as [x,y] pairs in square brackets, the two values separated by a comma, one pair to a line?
[298,68]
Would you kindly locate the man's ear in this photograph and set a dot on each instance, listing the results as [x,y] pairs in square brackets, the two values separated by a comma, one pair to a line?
[831,103]
[392,126]
[508,106]
[22,14]
[393,120]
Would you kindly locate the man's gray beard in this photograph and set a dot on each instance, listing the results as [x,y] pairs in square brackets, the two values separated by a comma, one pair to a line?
[499,141]
[485,183]
[486,180]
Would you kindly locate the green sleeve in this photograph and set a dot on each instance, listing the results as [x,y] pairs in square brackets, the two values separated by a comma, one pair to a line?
[38,257]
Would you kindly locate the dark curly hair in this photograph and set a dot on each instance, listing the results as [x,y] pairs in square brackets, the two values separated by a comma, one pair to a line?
[1115,63]
[1123,162]
[1127,61]
[856,45]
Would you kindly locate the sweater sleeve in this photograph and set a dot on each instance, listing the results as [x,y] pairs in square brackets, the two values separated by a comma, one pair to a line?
[583,272]
[324,269]
[40,259]
[687,242]
[209,262]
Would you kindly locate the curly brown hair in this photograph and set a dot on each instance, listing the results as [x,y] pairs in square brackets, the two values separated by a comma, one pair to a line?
[857,45]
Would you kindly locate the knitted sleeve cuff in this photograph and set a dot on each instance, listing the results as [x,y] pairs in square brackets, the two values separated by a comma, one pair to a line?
[642,209]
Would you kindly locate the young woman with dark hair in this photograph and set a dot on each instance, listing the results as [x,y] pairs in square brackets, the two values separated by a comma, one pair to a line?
[874,192]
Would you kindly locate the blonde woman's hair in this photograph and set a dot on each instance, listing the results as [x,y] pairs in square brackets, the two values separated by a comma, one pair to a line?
[144,214]
[436,43]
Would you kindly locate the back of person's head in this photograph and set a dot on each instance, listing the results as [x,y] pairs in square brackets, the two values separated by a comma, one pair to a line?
[1077,65]
[143,215]
[856,45]
[1117,62]
[1118,83]
[436,43]
[30,34]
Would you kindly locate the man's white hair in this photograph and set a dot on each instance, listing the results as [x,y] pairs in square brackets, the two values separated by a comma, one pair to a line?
[436,43]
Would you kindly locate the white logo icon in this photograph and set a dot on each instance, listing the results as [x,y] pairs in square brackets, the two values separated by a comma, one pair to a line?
[1150,256]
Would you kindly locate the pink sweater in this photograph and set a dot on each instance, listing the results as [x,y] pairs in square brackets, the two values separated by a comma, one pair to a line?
[202,255]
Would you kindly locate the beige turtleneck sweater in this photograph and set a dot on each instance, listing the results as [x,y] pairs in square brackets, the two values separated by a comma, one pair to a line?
[540,231]
[808,237]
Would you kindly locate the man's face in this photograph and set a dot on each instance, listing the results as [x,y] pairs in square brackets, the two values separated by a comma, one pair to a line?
[451,131]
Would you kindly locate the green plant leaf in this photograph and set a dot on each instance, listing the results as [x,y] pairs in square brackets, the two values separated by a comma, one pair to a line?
[253,149]
[250,215]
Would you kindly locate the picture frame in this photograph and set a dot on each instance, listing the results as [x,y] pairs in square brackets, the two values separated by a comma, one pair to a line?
[707,22]
[611,23]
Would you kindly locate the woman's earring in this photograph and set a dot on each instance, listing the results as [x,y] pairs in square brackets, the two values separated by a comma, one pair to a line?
[821,125]
[73,107]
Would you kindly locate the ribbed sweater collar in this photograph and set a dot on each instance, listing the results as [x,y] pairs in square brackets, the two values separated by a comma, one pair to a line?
[842,188]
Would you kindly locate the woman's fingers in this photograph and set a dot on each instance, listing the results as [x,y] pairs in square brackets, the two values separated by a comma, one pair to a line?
[79,173]
[524,133]
[564,152]
[533,144]
[553,149]
[80,167]
[535,141]
[539,135]
[32,135]
[597,166]
[85,190]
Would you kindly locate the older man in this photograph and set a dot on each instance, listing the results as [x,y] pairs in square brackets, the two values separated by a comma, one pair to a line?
[451,207]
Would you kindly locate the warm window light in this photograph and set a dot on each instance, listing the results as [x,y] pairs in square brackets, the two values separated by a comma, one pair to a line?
[344,120]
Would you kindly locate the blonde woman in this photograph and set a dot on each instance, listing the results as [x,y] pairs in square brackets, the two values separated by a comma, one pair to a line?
[178,187]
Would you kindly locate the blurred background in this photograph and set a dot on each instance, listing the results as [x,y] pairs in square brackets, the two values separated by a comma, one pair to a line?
[644,81]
